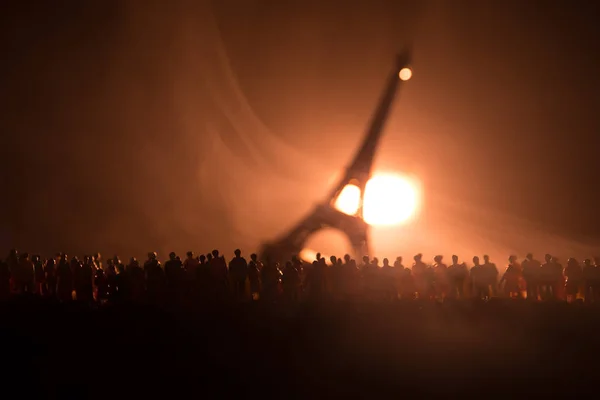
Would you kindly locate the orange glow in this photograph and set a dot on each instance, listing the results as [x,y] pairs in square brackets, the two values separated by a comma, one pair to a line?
[389,200]
[348,200]
[405,74]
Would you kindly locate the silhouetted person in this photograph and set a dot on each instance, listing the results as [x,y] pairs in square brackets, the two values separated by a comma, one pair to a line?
[39,276]
[111,278]
[491,273]
[386,281]
[547,277]
[336,279]
[13,263]
[101,284]
[64,279]
[440,277]
[124,284]
[511,278]
[458,274]
[85,281]
[351,278]
[419,273]
[204,280]
[23,275]
[238,272]
[479,280]
[408,287]
[136,276]
[254,276]
[291,282]
[173,277]
[398,272]
[50,277]
[154,278]
[270,276]
[531,274]
[218,267]
[316,280]
[558,279]
[574,279]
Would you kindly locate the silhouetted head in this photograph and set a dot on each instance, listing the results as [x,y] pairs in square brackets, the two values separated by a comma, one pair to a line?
[318,256]
[333,260]
[548,257]
[202,258]
[190,254]
[215,253]
[486,258]
[209,257]
[13,253]
[253,257]
[347,258]
[587,262]
[375,261]
[172,255]
[339,261]
[36,258]
[237,252]
[512,259]
[455,259]
[133,260]
[399,259]
[418,257]
[438,258]
[365,259]
[572,262]
[386,262]
[476,260]
[529,256]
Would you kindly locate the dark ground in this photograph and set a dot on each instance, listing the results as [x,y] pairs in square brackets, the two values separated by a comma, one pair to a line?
[326,350]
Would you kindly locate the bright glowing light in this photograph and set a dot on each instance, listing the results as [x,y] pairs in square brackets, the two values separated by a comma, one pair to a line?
[348,200]
[390,200]
[405,74]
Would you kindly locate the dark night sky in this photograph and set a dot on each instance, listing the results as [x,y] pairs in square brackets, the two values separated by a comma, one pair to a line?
[121,126]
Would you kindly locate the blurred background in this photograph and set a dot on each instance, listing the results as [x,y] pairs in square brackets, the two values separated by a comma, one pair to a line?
[133,126]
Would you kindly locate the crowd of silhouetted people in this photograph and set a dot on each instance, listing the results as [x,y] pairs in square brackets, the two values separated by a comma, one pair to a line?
[210,278]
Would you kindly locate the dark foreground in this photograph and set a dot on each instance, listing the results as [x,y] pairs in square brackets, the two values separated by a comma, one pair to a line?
[308,351]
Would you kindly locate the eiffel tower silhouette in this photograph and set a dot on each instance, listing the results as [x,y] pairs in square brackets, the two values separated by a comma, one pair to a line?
[358,173]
